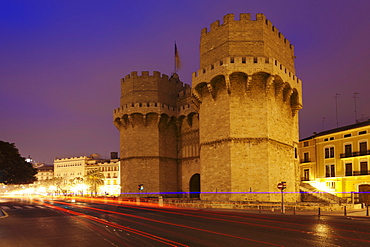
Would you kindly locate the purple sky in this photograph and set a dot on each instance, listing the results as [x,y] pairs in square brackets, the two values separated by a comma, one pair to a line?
[61,62]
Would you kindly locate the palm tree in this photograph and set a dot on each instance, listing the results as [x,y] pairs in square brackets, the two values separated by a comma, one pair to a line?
[95,179]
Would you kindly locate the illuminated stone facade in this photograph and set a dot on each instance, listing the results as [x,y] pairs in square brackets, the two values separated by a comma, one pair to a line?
[77,167]
[235,129]
[337,161]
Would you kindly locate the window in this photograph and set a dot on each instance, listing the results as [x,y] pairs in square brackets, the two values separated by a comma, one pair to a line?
[326,139]
[347,135]
[363,148]
[305,144]
[329,171]
[330,185]
[362,132]
[349,169]
[331,138]
[364,170]
[306,175]
[348,150]
[329,152]
[306,157]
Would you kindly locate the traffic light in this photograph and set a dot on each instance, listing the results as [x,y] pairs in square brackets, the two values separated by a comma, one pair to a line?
[284,185]
[140,186]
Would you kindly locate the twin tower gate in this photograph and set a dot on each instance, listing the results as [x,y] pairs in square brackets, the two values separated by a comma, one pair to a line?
[233,134]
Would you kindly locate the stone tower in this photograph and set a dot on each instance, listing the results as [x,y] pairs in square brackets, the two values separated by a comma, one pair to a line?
[146,120]
[248,118]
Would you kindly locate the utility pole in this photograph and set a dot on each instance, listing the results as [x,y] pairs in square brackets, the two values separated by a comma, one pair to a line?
[336,107]
[355,97]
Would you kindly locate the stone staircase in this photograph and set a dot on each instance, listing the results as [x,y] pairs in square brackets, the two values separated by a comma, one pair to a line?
[311,193]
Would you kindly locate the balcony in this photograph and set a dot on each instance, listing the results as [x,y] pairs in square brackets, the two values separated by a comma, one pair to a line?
[359,173]
[354,154]
[306,160]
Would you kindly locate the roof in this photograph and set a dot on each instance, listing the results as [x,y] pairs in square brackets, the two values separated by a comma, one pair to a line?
[336,130]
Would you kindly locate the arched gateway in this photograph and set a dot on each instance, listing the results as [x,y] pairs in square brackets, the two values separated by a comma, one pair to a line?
[194,186]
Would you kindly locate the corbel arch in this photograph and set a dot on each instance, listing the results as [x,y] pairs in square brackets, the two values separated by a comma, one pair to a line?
[240,81]
[217,85]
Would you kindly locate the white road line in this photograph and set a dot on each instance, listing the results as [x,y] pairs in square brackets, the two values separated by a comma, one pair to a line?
[4,207]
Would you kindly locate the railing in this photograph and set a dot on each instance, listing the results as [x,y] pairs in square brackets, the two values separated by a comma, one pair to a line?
[358,173]
[354,154]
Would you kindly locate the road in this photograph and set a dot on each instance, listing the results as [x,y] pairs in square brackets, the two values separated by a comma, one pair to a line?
[46,222]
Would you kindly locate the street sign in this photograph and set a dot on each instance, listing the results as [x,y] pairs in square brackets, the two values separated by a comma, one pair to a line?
[280,186]
[140,186]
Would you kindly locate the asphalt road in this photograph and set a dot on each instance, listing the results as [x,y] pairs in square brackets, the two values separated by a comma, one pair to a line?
[35,222]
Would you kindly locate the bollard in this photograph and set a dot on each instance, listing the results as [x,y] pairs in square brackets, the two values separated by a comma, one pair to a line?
[367,210]
[319,213]
[138,201]
[293,210]
[259,208]
[345,210]
[160,201]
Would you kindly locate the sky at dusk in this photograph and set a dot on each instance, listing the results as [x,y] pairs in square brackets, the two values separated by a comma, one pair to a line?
[61,62]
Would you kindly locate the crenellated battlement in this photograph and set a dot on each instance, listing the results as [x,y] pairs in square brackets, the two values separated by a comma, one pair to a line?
[245,37]
[70,158]
[249,65]
[229,19]
[143,88]
[156,74]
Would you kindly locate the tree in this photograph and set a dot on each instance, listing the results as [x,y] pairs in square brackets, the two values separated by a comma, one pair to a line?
[95,179]
[58,182]
[14,169]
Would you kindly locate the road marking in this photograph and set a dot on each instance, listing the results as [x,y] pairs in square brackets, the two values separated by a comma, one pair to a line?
[17,207]
[4,207]
[29,206]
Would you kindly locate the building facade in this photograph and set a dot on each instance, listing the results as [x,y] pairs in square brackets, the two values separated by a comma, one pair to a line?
[73,170]
[44,172]
[110,170]
[238,122]
[337,161]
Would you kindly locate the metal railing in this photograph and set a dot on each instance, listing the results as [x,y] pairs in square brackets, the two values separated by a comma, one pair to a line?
[305,160]
[354,154]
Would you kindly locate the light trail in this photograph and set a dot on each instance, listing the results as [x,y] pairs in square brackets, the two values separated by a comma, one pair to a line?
[128,229]
[156,209]
[232,221]
[114,214]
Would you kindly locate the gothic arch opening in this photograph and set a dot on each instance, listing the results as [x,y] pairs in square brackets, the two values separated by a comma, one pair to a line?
[194,186]
[364,197]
